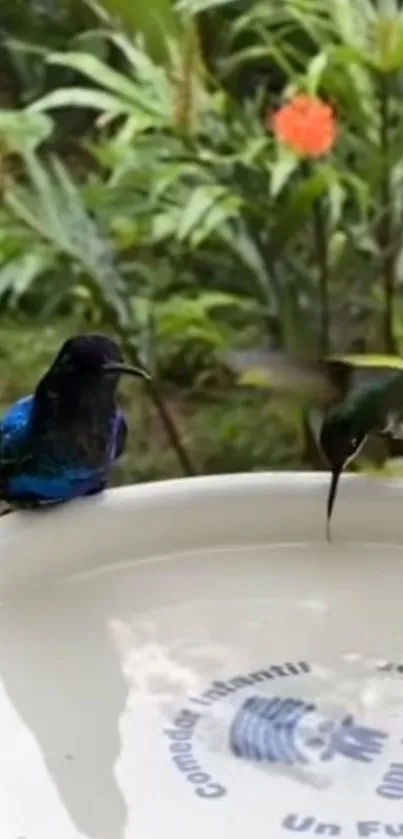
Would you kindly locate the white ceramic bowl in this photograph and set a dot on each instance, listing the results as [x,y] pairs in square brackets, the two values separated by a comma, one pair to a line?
[192,660]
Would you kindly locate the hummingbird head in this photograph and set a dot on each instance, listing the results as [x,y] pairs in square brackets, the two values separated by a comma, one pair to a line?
[92,357]
[340,441]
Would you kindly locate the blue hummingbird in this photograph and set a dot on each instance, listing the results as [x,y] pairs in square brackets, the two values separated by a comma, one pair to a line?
[62,441]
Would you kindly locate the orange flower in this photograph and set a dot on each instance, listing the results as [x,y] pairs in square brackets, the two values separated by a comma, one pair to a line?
[306,124]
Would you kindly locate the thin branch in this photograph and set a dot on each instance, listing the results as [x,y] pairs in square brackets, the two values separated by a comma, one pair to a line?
[321,246]
[164,415]
[171,430]
[386,226]
[320,235]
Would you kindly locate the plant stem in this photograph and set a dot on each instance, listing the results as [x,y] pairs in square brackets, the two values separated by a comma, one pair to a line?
[320,235]
[164,414]
[321,246]
[171,430]
[385,229]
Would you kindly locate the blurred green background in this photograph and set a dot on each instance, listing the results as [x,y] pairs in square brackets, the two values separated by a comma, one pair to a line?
[144,194]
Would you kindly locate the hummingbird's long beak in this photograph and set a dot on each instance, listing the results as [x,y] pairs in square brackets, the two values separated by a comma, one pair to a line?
[125,369]
[336,472]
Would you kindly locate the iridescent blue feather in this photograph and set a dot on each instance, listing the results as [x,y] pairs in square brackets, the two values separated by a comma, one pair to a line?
[68,481]
[62,441]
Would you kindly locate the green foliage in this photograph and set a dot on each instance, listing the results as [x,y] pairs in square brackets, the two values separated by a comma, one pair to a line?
[191,226]
[22,132]
[157,22]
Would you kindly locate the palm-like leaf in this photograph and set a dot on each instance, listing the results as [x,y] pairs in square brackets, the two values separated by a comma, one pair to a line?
[52,207]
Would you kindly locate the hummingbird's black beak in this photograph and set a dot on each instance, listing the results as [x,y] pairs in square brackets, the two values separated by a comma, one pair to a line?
[125,369]
[336,472]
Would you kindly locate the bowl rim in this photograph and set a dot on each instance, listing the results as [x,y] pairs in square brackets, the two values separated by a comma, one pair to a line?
[188,514]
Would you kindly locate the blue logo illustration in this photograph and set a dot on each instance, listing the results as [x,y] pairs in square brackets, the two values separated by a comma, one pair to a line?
[283,730]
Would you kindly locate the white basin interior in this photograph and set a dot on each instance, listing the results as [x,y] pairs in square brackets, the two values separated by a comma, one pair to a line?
[192,659]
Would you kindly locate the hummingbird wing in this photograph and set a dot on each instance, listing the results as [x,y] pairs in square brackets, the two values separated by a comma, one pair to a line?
[376,386]
[27,472]
[367,369]
[14,432]
[324,380]
[369,361]
[312,380]
[15,454]
[119,435]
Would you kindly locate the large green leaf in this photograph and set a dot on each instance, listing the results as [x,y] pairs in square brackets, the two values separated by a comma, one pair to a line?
[156,21]
[81,97]
[208,207]
[296,210]
[196,6]
[388,38]
[245,249]
[22,131]
[282,170]
[18,275]
[52,207]
[135,95]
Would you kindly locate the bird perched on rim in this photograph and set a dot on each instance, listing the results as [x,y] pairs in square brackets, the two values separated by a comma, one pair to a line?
[62,441]
[362,395]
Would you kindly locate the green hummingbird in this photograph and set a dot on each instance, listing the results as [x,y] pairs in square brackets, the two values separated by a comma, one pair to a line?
[362,395]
